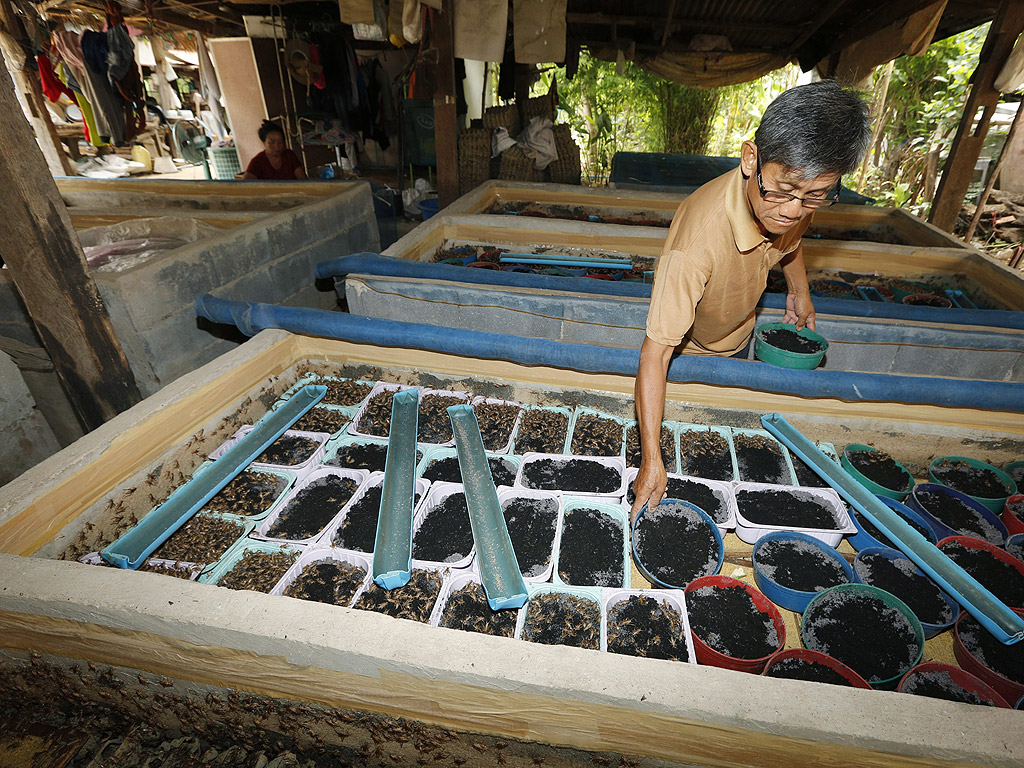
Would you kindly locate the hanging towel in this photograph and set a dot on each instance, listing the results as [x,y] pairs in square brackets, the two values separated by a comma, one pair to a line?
[356,11]
[539,30]
[412,21]
[480,29]
[538,142]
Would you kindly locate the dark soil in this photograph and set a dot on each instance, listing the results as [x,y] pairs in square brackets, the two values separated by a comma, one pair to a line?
[708,499]
[444,535]
[258,571]
[327,582]
[789,508]
[288,451]
[874,640]
[675,544]
[633,450]
[344,392]
[446,470]
[938,684]
[881,538]
[910,286]
[727,619]
[832,288]
[469,610]
[791,341]
[414,601]
[358,531]
[704,453]
[596,436]
[760,460]
[202,539]
[974,481]
[435,425]
[369,456]
[803,669]
[1017,509]
[555,618]
[1017,474]
[643,626]
[902,578]
[542,431]
[531,524]
[799,565]
[1016,549]
[1007,660]
[927,301]
[496,420]
[578,475]
[322,420]
[590,553]
[959,516]
[250,493]
[806,476]
[999,577]
[881,468]
[312,508]
[376,416]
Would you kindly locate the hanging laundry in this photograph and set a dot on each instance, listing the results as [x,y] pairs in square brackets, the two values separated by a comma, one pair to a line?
[211,88]
[356,11]
[412,21]
[106,103]
[51,84]
[538,28]
[480,29]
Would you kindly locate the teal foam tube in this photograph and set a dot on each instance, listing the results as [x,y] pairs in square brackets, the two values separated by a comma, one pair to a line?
[132,549]
[496,560]
[392,549]
[990,612]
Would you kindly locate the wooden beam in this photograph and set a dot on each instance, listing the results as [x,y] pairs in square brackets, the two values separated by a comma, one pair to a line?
[825,12]
[993,176]
[46,262]
[981,104]
[704,25]
[445,129]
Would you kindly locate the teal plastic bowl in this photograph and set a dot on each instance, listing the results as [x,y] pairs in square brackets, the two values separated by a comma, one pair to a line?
[994,505]
[879,490]
[766,353]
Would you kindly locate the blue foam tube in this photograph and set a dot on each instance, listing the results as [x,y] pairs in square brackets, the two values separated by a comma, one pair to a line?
[392,549]
[252,317]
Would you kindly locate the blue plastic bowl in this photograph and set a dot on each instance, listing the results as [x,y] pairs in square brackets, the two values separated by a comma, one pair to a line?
[862,539]
[943,531]
[792,599]
[707,519]
[428,207]
[1015,546]
[930,630]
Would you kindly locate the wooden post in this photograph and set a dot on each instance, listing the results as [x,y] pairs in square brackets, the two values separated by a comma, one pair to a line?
[46,262]
[992,176]
[966,148]
[445,128]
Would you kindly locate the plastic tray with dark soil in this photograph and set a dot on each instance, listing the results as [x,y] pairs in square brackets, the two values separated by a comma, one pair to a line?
[902,578]
[328,581]
[319,419]
[872,638]
[202,539]
[496,421]
[1001,578]
[806,476]
[668,448]
[446,470]
[938,684]
[786,508]
[375,418]
[444,535]
[791,341]
[643,626]
[289,451]
[557,618]
[469,610]
[799,565]
[727,619]
[879,467]
[675,544]
[958,515]
[358,531]
[705,453]
[760,459]
[312,508]
[435,425]
[414,601]
[532,524]
[369,456]
[579,475]
[590,553]
[542,431]
[258,571]
[344,392]
[1006,660]
[595,435]
[710,500]
[974,481]
[805,669]
[926,301]
[249,494]
[881,538]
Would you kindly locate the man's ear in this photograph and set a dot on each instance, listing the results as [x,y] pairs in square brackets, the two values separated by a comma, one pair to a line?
[748,159]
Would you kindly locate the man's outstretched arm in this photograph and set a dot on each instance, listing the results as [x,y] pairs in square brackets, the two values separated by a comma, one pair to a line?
[650,408]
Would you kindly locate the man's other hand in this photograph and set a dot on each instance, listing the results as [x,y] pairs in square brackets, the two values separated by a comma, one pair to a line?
[799,310]
[649,486]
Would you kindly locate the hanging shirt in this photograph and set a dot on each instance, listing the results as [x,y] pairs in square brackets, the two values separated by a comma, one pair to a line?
[261,168]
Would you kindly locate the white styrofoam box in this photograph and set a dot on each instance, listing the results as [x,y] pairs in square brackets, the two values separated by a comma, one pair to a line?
[456,582]
[438,493]
[380,386]
[358,476]
[446,576]
[615,462]
[750,532]
[314,555]
[193,569]
[673,430]
[298,469]
[723,491]
[588,593]
[582,411]
[782,448]
[507,494]
[681,428]
[608,507]
[507,447]
[672,599]
[336,444]
[567,412]
[430,455]
[373,480]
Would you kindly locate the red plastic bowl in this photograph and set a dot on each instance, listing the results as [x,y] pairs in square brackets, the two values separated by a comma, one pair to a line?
[1009,689]
[1013,523]
[806,654]
[999,554]
[708,655]
[960,677]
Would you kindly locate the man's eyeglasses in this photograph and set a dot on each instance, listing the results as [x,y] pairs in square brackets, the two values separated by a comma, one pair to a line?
[774,196]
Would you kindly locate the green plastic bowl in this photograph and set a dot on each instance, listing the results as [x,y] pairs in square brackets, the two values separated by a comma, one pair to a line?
[993,505]
[871,485]
[766,353]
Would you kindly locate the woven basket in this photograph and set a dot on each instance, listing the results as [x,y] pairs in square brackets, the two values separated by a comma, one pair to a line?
[566,169]
[474,158]
[516,165]
[507,116]
[542,106]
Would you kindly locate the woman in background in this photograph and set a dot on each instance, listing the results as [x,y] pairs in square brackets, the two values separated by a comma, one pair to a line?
[276,161]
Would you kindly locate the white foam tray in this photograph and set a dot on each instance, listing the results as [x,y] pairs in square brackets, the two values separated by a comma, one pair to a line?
[751,532]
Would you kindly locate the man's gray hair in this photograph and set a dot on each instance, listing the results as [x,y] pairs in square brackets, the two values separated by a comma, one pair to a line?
[815,129]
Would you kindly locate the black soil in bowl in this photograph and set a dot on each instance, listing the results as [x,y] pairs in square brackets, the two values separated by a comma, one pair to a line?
[1017,475]
[1006,660]
[414,601]
[591,549]
[1015,548]
[707,498]
[531,524]
[202,539]
[999,577]
[496,421]
[542,431]
[881,538]
[760,460]
[902,578]
[788,508]
[927,301]
[675,544]
[327,582]
[469,610]
[258,571]
[372,457]
[446,470]
[1016,508]
[312,508]
[289,451]
[435,425]
[643,626]
[250,493]
[358,531]
[376,416]
[728,620]
[633,449]
[793,668]
[596,436]
[980,482]
[791,341]
[959,516]
[881,468]
[345,391]
[939,684]
[705,453]
[798,565]
[322,420]
[444,535]
[579,475]
[555,618]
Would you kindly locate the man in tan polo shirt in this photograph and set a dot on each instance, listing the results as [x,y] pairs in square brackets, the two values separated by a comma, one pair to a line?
[727,235]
